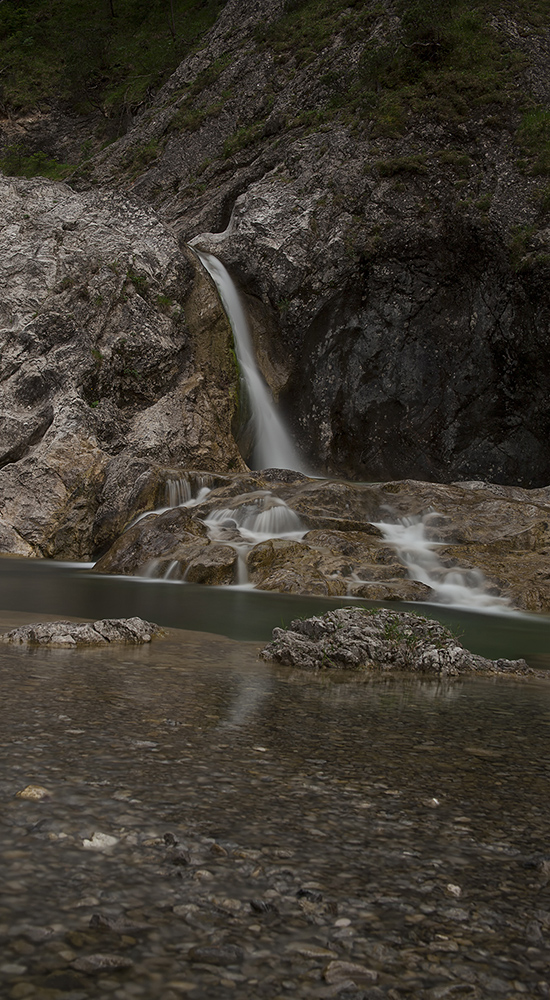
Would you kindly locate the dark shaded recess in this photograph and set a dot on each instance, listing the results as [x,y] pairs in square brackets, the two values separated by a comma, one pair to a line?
[434,366]
[35,434]
[133,379]
[31,389]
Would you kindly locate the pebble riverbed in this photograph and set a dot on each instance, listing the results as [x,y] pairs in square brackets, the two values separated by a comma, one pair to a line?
[215,827]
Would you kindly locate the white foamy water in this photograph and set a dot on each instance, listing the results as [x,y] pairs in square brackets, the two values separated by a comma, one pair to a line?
[178,494]
[265,517]
[466,588]
[272,447]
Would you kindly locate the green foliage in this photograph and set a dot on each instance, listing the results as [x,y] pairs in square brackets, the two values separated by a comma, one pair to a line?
[401,165]
[533,138]
[96,55]
[139,282]
[17,161]
[460,162]
[443,59]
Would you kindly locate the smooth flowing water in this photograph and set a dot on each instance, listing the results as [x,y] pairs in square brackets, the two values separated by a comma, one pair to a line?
[272,447]
[452,587]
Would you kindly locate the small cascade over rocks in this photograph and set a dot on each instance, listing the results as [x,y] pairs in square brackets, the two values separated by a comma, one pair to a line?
[262,517]
[272,445]
[454,587]
[186,490]
[334,539]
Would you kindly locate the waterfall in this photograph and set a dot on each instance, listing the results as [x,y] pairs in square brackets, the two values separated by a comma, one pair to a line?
[466,588]
[272,446]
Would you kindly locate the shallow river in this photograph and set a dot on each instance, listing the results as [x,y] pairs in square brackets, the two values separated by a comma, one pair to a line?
[260,832]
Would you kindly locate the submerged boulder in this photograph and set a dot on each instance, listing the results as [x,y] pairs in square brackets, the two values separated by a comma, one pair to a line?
[361,639]
[100,633]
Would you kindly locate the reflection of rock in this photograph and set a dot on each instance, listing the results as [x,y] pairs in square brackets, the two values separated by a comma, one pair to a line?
[100,633]
[356,638]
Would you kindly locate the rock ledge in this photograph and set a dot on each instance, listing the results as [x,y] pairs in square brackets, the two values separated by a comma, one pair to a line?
[359,639]
[100,633]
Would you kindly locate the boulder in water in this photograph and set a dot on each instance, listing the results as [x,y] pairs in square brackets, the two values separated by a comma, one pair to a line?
[100,633]
[364,639]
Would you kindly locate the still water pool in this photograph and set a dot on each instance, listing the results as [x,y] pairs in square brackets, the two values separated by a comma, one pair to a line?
[218,827]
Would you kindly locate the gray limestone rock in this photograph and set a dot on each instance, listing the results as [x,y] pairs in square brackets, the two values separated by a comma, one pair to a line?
[72,634]
[358,639]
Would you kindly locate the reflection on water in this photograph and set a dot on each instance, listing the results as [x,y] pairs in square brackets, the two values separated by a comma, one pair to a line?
[269,825]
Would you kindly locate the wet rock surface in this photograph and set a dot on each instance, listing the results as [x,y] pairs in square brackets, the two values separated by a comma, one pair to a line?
[100,633]
[361,639]
[272,833]
[116,361]
[334,539]
[397,274]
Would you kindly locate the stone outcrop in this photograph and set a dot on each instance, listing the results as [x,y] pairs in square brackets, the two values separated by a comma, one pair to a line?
[70,634]
[339,545]
[359,639]
[397,270]
[115,358]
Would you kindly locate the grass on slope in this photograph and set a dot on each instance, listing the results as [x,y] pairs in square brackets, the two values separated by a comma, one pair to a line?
[440,57]
[101,55]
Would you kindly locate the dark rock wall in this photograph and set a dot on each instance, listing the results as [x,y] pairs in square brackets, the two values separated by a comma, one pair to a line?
[431,366]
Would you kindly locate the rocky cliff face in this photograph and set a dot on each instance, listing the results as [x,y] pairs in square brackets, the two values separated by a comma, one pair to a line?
[109,338]
[403,256]
[380,195]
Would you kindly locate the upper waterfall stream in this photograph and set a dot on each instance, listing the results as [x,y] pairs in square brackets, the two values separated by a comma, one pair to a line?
[272,447]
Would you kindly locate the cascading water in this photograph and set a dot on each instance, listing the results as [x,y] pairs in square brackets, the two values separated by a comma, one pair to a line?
[452,587]
[272,445]
[262,517]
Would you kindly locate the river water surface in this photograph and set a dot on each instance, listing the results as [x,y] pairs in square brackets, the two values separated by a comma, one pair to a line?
[218,827]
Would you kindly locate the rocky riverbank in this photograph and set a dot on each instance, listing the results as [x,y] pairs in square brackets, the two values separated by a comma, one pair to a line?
[333,539]
[202,824]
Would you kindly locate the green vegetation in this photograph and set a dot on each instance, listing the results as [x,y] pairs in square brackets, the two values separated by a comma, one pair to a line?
[533,138]
[97,55]
[139,282]
[401,165]
[444,59]
[17,161]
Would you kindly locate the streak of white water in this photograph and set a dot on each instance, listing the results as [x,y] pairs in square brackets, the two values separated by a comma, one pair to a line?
[465,588]
[272,447]
[175,490]
[266,516]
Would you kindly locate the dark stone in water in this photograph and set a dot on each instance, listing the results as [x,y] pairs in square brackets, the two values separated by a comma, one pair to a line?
[358,639]
[310,895]
[100,633]
[262,906]
[224,954]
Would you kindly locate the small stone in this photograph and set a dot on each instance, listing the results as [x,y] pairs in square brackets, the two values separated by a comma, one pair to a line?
[101,962]
[310,894]
[100,842]
[453,890]
[310,950]
[179,856]
[337,971]
[33,793]
[13,969]
[224,954]
[22,990]
[203,875]
[262,906]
